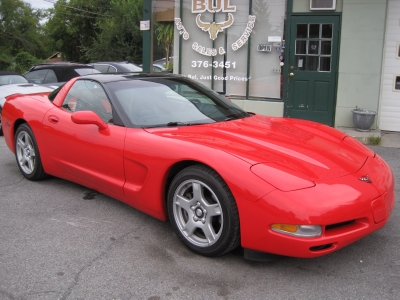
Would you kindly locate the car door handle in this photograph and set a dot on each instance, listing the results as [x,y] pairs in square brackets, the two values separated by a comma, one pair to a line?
[53,119]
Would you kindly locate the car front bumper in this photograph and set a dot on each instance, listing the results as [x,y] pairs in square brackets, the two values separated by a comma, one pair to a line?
[347,208]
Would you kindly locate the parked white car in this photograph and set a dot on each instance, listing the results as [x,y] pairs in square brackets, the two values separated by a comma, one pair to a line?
[22,88]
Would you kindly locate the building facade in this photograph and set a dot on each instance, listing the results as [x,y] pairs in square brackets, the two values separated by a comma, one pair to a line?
[309,59]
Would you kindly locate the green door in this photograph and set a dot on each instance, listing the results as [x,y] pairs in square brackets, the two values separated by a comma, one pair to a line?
[313,60]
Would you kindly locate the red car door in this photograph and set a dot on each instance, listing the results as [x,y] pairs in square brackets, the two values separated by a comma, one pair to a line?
[84,153]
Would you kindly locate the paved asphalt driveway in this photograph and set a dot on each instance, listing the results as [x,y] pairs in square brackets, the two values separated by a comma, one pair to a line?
[59,240]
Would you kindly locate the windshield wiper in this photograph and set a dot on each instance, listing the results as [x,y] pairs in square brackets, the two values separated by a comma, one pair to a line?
[172,124]
[177,124]
[233,117]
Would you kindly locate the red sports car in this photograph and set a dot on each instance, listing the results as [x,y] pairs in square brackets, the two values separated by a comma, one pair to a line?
[223,177]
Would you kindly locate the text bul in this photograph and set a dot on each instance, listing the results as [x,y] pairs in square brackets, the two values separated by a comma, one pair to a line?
[199,6]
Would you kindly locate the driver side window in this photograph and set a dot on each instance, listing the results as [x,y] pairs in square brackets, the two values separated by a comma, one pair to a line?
[88,95]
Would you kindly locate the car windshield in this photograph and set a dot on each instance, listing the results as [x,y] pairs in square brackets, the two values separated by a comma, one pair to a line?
[12,79]
[86,71]
[159,102]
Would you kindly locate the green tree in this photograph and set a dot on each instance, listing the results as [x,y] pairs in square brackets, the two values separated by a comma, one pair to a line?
[24,61]
[119,36]
[20,30]
[165,36]
[72,25]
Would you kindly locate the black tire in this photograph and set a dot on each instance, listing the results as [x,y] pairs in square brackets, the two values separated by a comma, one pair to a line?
[203,211]
[27,154]
[1,124]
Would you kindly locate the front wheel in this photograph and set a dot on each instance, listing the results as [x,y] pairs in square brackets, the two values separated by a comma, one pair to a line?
[203,211]
[27,154]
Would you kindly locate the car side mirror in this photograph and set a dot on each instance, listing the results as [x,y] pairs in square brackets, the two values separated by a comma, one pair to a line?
[88,117]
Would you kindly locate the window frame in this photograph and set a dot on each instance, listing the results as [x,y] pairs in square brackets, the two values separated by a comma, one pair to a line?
[395,76]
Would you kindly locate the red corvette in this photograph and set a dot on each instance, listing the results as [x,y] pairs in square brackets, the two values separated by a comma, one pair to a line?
[223,177]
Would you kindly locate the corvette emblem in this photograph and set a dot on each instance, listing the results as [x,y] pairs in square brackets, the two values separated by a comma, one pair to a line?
[365,179]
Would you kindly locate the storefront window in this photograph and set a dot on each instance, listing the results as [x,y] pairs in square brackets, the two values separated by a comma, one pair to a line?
[232,46]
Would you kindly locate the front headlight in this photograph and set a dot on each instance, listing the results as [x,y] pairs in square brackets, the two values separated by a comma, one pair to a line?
[305,231]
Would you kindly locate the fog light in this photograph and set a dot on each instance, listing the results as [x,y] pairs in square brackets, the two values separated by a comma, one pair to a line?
[306,231]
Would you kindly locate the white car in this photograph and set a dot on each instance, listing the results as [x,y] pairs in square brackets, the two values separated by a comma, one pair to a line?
[22,88]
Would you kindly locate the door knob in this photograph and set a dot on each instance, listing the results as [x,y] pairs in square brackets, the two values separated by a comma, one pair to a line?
[291,74]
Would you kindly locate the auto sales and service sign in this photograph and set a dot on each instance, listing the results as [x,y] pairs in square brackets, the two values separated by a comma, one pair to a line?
[213,28]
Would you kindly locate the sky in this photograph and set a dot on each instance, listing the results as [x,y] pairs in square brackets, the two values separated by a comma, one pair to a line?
[39,3]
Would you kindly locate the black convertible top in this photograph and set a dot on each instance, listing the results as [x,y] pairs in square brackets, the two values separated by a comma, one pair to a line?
[9,73]
[111,77]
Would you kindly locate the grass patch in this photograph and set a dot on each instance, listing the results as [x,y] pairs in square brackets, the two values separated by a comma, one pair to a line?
[374,140]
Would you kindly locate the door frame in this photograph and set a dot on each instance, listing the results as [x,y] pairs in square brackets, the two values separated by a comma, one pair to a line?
[288,38]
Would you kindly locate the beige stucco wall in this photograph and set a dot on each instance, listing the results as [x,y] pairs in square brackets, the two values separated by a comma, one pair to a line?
[360,58]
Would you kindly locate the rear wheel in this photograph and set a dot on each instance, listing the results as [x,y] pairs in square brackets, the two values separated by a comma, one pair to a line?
[27,154]
[203,212]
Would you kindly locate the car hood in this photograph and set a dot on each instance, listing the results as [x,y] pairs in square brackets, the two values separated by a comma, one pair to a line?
[315,150]
[22,88]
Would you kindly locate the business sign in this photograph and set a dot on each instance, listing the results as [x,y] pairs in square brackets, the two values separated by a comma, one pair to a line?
[213,28]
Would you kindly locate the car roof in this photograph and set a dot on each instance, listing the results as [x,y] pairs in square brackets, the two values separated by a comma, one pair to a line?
[59,65]
[116,63]
[9,73]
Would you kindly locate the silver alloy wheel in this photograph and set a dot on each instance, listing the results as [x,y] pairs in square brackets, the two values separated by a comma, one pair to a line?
[25,151]
[198,213]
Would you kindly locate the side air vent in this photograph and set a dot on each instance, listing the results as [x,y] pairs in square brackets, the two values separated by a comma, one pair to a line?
[322,4]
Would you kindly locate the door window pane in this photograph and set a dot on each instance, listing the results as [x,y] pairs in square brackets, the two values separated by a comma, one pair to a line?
[326,47]
[313,47]
[326,31]
[301,47]
[317,47]
[88,95]
[325,65]
[312,63]
[314,31]
[301,30]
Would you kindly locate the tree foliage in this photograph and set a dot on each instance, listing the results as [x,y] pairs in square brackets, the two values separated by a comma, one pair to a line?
[24,61]
[119,36]
[82,30]
[72,25]
[20,30]
[165,36]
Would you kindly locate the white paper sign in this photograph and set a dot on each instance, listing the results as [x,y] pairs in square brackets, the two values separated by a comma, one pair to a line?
[275,39]
[145,25]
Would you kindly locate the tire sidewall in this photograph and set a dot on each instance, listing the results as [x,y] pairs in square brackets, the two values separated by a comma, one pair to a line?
[37,169]
[201,174]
